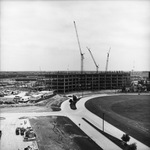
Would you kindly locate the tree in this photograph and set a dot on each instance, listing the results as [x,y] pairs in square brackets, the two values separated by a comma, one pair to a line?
[132,146]
[125,138]
[75,98]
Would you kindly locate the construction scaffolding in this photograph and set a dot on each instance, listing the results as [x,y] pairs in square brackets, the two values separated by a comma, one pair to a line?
[63,82]
[70,81]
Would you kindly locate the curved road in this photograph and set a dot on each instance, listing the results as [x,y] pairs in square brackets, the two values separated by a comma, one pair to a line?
[77,117]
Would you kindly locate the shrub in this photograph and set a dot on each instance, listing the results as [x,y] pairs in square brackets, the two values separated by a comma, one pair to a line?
[132,146]
[125,137]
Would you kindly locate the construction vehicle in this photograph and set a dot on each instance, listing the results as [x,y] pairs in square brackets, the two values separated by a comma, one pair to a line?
[20,130]
[28,148]
[82,55]
[93,60]
[32,146]
[17,131]
[29,135]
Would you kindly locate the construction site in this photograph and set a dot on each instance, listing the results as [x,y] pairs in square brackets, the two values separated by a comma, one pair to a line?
[43,110]
[70,81]
[64,82]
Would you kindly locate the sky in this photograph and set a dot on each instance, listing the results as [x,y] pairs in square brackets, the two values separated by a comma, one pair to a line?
[40,35]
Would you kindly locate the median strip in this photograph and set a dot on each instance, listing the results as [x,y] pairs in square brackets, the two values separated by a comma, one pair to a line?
[115,140]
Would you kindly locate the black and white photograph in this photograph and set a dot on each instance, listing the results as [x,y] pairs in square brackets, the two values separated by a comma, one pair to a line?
[74,74]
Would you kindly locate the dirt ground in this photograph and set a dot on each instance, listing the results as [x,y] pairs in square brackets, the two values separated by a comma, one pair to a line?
[60,133]
[53,133]
[131,114]
[48,105]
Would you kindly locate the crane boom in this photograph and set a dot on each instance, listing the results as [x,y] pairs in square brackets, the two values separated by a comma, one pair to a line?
[82,55]
[107,60]
[93,59]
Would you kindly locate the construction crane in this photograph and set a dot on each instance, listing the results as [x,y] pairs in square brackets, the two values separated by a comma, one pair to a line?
[93,59]
[82,55]
[107,59]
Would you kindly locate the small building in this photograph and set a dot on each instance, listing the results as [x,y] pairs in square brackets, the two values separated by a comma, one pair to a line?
[46,93]
[36,98]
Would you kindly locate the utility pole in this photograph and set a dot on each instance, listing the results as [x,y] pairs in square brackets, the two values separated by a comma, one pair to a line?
[107,60]
[93,60]
[103,122]
[82,55]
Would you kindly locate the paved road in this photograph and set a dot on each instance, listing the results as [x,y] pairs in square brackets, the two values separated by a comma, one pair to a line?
[76,116]
[98,122]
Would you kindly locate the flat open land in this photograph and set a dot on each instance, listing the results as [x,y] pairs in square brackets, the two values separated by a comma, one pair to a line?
[129,113]
[52,132]
[60,133]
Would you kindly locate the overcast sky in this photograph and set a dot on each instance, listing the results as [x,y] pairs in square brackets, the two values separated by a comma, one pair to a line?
[40,35]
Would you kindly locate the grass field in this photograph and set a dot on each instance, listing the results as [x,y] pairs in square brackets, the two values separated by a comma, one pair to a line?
[130,113]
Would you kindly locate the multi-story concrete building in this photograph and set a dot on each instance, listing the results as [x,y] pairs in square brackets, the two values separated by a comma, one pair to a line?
[64,82]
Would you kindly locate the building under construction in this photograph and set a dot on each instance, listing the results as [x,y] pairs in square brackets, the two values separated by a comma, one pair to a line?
[63,82]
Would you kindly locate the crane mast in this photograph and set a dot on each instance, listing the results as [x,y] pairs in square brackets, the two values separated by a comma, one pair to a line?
[107,60]
[93,59]
[82,55]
